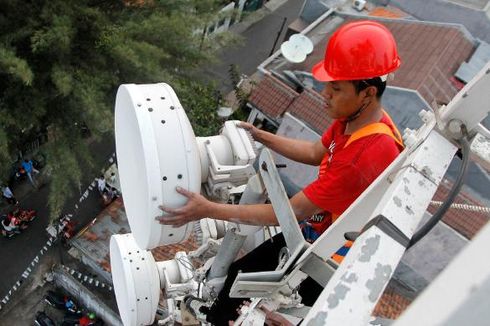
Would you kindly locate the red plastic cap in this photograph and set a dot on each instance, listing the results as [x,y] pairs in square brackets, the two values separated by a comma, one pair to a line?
[358,50]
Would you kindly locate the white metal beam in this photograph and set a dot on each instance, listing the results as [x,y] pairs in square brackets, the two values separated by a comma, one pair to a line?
[353,291]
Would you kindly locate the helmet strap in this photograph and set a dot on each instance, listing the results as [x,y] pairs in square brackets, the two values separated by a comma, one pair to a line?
[356,114]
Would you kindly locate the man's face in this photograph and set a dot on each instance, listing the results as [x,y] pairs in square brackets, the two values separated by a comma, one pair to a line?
[341,99]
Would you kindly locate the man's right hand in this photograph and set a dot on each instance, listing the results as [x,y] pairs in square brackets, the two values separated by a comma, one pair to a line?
[254,131]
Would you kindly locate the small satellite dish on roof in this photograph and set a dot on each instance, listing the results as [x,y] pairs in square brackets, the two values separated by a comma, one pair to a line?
[297,48]
[224,112]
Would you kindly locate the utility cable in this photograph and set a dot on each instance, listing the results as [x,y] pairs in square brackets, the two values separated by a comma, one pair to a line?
[465,148]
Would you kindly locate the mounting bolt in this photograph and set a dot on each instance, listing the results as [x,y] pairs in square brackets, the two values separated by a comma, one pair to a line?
[455,128]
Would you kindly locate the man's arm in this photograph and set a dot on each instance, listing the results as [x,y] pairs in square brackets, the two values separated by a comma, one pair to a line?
[198,207]
[302,151]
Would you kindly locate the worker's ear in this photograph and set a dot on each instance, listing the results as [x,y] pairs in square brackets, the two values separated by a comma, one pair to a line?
[370,91]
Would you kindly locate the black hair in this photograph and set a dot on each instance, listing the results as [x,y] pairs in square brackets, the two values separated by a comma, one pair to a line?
[377,82]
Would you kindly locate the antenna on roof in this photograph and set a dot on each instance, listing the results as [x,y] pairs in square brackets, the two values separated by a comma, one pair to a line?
[297,48]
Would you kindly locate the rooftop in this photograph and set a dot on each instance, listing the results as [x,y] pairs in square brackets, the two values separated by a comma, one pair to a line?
[93,241]
[431,53]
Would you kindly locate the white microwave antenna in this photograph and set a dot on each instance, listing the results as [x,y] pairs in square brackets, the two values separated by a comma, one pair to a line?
[158,151]
[297,48]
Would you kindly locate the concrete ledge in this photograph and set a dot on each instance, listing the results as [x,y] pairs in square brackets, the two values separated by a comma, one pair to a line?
[85,296]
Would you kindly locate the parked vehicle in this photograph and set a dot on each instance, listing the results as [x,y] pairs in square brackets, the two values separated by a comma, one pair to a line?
[16,221]
[109,195]
[7,227]
[43,320]
[23,215]
[85,320]
[62,302]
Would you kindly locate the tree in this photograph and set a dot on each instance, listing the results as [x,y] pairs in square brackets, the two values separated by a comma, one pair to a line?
[62,61]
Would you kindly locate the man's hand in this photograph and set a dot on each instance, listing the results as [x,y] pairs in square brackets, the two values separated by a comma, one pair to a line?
[197,207]
[273,318]
[254,131]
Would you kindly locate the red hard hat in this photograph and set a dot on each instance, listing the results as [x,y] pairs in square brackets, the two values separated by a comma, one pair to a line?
[358,50]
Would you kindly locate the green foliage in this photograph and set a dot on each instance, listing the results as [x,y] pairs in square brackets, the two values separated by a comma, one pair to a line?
[236,77]
[201,104]
[62,61]
[14,66]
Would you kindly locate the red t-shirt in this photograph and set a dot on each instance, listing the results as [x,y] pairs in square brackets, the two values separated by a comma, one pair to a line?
[346,172]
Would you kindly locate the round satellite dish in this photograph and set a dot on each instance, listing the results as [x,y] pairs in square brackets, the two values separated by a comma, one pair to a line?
[297,48]
[156,151]
[224,112]
[136,280]
[303,42]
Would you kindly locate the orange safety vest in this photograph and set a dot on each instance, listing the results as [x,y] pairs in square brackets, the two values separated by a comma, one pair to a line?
[371,129]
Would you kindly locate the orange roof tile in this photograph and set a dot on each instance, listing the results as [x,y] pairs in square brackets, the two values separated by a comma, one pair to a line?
[272,96]
[168,252]
[387,12]
[391,304]
[309,106]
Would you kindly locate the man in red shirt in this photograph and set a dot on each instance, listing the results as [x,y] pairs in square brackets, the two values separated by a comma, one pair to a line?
[351,154]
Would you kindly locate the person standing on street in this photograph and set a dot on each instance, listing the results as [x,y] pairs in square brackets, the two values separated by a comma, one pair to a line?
[9,195]
[101,184]
[30,170]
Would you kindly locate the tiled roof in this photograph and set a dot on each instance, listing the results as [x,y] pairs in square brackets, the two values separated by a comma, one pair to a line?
[309,106]
[168,252]
[430,53]
[465,222]
[391,304]
[272,96]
